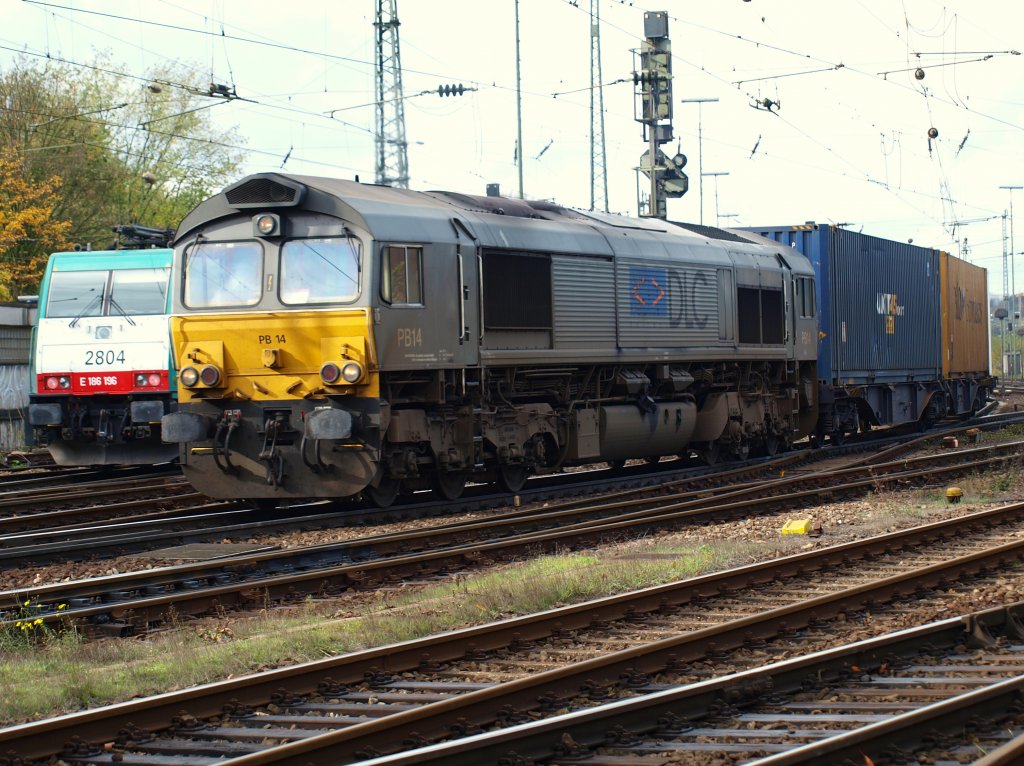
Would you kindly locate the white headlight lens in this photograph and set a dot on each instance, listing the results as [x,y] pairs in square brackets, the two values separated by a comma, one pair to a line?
[351,372]
[266,224]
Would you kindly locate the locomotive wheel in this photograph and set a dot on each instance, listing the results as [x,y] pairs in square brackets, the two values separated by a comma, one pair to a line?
[385,493]
[709,453]
[512,478]
[449,485]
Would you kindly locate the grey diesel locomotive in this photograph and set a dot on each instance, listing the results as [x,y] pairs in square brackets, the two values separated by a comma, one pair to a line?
[334,338]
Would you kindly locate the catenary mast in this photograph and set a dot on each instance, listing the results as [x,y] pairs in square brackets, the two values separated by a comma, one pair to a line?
[392,154]
[598,156]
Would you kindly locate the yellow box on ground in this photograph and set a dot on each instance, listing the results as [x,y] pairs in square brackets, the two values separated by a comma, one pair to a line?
[797,527]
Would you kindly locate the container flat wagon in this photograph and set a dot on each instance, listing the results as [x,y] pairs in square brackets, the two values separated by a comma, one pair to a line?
[899,338]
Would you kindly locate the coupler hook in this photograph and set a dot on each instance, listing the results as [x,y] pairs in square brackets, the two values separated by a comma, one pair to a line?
[270,455]
[225,428]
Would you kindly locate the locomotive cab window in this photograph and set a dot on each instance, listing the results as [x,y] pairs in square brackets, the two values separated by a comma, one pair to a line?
[76,293]
[401,275]
[320,270]
[223,274]
[139,291]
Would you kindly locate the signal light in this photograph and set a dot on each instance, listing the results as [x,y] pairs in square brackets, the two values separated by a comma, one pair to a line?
[451,90]
[333,375]
[148,379]
[210,375]
[58,382]
[330,373]
[189,376]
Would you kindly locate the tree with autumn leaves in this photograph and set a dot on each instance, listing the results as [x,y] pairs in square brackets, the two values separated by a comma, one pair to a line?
[84,148]
[29,230]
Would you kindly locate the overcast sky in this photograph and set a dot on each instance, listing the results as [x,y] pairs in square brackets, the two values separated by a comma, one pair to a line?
[848,142]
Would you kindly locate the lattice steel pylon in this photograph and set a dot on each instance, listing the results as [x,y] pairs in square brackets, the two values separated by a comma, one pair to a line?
[392,148]
[598,155]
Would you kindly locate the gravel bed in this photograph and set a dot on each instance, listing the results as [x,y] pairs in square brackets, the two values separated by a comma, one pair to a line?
[837,522]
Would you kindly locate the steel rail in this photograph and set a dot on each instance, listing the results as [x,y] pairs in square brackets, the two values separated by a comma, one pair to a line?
[1010,754]
[597,727]
[435,720]
[188,587]
[43,738]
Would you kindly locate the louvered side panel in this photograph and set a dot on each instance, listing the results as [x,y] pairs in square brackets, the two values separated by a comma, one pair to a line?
[584,303]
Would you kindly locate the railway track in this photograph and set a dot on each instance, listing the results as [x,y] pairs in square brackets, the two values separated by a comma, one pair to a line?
[38,478]
[171,514]
[131,602]
[643,644]
[133,526]
[943,693]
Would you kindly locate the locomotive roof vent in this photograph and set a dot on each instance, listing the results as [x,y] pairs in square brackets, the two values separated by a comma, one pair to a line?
[265,191]
[709,231]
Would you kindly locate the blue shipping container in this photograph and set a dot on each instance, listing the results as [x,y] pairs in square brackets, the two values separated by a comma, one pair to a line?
[879,307]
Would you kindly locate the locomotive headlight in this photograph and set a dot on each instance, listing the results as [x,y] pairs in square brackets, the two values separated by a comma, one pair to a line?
[189,376]
[210,375]
[351,371]
[330,373]
[147,379]
[267,224]
[58,382]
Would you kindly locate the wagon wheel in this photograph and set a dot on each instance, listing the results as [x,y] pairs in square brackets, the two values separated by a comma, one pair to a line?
[616,465]
[449,485]
[652,459]
[512,476]
[771,445]
[837,438]
[385,493]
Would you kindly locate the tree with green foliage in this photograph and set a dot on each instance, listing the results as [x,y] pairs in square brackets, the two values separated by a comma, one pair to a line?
[126,149]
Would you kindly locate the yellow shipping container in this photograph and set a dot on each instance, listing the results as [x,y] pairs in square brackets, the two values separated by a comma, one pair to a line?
[965,340]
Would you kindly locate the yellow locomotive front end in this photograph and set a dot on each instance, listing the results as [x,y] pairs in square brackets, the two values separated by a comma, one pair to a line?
[285,404]
[278,381]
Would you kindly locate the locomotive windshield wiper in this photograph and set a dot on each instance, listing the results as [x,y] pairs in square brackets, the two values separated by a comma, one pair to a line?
[124,313]
[330,263]
[85,308]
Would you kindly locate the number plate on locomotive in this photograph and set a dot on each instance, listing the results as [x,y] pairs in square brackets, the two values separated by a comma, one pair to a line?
[105,382]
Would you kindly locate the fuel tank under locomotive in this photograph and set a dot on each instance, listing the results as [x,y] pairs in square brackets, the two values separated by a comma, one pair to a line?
[627,431]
